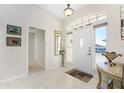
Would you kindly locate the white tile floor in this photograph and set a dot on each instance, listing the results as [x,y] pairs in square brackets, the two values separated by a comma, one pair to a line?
[50,79]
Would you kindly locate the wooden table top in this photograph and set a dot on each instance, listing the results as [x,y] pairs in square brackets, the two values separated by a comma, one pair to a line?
[116,70]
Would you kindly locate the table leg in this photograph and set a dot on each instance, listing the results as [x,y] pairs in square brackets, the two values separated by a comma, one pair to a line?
[117,84]
[100,80]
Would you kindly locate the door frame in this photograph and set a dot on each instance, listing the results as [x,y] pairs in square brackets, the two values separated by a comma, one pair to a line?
[28,28]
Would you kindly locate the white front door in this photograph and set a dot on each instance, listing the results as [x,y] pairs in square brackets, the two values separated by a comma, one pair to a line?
[83,41]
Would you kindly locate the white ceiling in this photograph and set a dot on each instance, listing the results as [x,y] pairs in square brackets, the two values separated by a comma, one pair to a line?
[57,9]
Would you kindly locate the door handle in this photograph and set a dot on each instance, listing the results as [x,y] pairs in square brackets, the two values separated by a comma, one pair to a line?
[89,50]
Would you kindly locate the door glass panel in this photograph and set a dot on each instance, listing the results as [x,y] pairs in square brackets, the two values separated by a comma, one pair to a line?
[101,40]
[93,21]
[81,42]
[85,18]
[101,18]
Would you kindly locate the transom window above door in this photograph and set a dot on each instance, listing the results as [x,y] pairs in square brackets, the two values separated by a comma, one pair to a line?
[95,18]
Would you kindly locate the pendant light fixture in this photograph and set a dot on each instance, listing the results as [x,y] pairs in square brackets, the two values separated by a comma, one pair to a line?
[68,11]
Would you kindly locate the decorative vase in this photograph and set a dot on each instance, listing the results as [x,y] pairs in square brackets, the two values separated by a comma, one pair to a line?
[111,56]
[62,53]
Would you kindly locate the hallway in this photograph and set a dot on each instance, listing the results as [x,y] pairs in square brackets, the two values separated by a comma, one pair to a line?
[33,68]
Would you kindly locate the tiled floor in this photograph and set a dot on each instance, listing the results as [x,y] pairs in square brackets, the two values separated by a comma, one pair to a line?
[50,79]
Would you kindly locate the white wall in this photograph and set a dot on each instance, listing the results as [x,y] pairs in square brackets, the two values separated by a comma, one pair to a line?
[13,60]
[114,42]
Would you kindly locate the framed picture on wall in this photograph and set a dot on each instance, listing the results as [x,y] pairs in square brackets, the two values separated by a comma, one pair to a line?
[13,41]
[14,30]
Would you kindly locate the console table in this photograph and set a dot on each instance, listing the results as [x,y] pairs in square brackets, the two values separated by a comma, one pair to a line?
[114,73]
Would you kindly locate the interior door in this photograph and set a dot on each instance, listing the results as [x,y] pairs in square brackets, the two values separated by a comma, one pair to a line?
[83,41]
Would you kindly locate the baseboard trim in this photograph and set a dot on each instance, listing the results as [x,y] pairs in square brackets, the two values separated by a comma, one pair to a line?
[12,78]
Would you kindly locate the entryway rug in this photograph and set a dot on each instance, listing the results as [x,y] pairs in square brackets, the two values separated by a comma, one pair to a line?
[80,75]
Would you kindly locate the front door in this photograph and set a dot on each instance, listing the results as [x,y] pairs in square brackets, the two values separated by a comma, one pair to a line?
[83,41]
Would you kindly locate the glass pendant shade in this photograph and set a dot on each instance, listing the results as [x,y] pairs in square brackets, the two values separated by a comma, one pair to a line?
[68,11]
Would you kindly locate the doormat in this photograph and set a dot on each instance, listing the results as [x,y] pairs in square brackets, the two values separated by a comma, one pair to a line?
[80,75]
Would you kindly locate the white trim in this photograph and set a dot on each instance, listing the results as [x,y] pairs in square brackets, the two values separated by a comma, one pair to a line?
[12,78]
[27,49]
[93,50]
